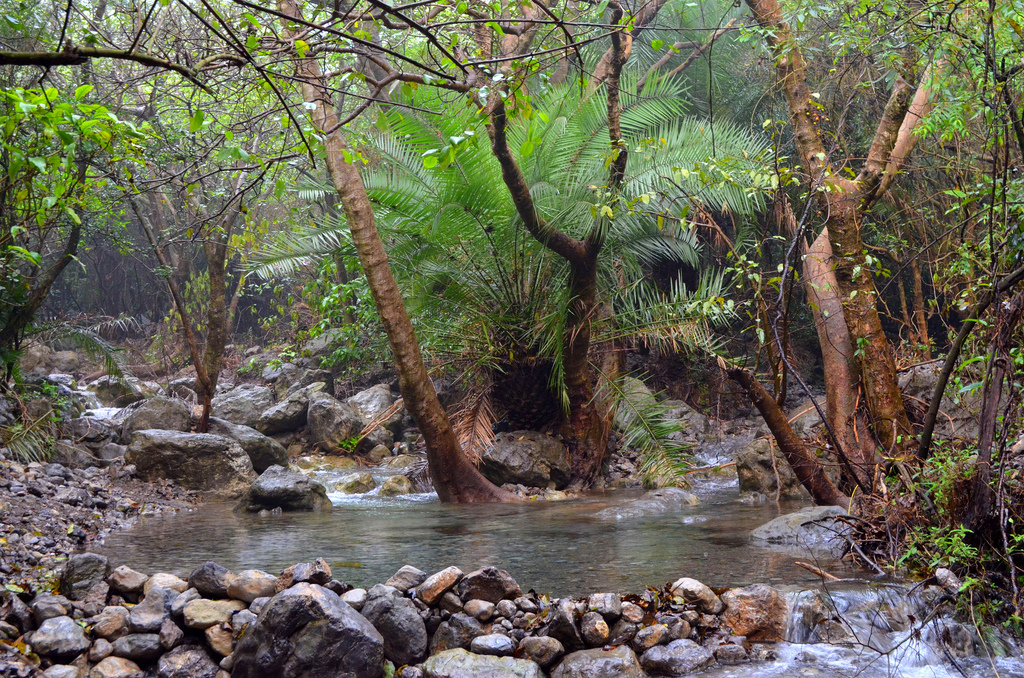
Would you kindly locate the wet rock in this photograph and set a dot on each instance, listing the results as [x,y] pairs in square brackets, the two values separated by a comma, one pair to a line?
[263,451]
[149,615]
[479,609]
[757,472]
[505,608]
[317,572]
[653,503]
[202,613]
[183,599]
[242,404]
[210,580]
[55,671]
[490,584]
[111,623]
[168,581]
[623,632]
[100,650]
[195,461]
[278,487]
[334,426]
[758,612]
[608,605]
[220,639]
[619,662]
[395,486]
[833,632]
[493,644]
[458,663]
[526,458]
[372,402]
[81,573]
[458,632]
[407,577]
[139,647]
[563,625]
[399,622]
[14,610]
[543,650]
[126,580]
[116,667]
[947,580]
[248,585]
[437,584]
[356,598]
[355,483]
[594,629]
[693,591]
[46,606]
[730,654]
[289,414]
[169,414]
[59,638]
[678,658]
[650,636]
[187,661]
[170,634]
[812,527]
[308,632]
[89,430]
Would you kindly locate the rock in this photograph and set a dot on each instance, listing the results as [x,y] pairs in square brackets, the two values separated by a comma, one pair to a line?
[248,585]
[202,613]
[960,415]
[758,612]
[406,578]
[678,658]
[46,606]
[289,414]
[395,486]
[608,605]
[59,638]
[263,451]
[355,483]
[494,644]
[650,636]
[169,414]
[451,603]
[101,649]
[126,580]
[308,632]
[278,487]
[149,615]
[81,573]
[195,461]
[458,632]
[317,572]
[479,609]
[730,654]
[334,426]
[111,623]
[372,402]
[437,584]
[694,423]
[139,647]
[947,580]
[170,635]
[834,632]
[543,650]
[242,404]
[210,580]
[355,598]
[187,661]
[619,662]
[458,663]
[168,581]
[526,458]
[376,453]
[654,503]
[89,430]
[505,608]
[399,622]
[812,527]
[307,377]
[636,398]
[757,473]
[632,613]
[490,584]
[562,625]
[693,591]
[117,392]
[323,345]
[57,671]
[116,667]
[220,639]
[74,455]
[594,629]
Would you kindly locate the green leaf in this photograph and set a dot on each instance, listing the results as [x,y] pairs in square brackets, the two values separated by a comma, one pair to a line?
[430,161]
[195,123]
[38,163]
[82,91]
[657,44]
[526,149]
[73,215]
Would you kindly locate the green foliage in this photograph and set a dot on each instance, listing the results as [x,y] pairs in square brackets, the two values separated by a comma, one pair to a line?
[29,442]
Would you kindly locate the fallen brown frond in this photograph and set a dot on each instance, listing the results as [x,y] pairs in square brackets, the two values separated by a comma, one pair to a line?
[473,423]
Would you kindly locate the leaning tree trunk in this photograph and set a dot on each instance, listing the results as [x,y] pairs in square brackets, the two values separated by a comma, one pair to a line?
[454,476]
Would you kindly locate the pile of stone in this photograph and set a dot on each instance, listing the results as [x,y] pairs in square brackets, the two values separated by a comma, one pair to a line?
[121,624]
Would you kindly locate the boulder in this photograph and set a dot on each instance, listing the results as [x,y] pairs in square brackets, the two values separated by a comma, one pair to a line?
[59,638]
[406,578]
[490,584]
[395,486]
[289,414]
[248,585]
[210,580]
[309,632]
[543,650]
[636,398]
[494,644]
[562,625]
[116,667]
[74,455]
[399,622]
[526,458]
[112,391]
[202,613]
[126,580]
[169,414]
[620,662]
[263,451]
[278,487]
[960,413]
[694,424]
[437,584]
[195,461]
[355,483]
[186,661]
[167,580]
[461,664]
[304,378]
[243,404]
[758,612]
[812,527]
[111,623]
[139,647]
[757,472]
[372,402]
[81,573]
[334,426]
[693,591]
[458,632]
[653,503]
[88,430]
[149,615]
[678,658]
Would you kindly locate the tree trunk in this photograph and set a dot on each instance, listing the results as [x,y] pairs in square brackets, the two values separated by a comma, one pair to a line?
[920,314]
[454,476]
[216,322]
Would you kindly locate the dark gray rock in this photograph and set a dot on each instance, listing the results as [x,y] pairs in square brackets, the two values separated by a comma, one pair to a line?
[543,650]
[59,638]
[399,622]
[186,661]
[619,662]
[149,615]
[334,426]
[210,580]
[563,625]
[304,378]
[278,487]
[493,644]
[527,458]
[678,658]
[289,414]
[170,634]
[488,583]
[139,647]
[242,404]
[195,461]
[169,414]
[87,430]
[458,632]
[46,606]
[81,573]
[309,632]
[263,451]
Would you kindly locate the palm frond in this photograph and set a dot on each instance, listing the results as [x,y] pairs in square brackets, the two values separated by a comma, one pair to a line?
[473,423]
